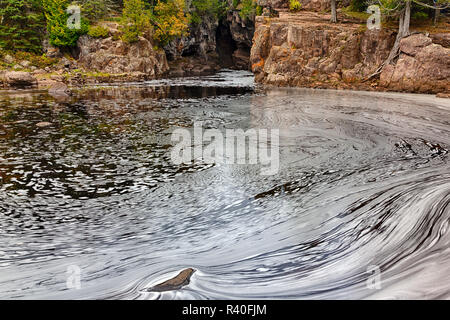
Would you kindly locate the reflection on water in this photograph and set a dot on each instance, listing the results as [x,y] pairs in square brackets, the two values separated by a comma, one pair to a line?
[364,181]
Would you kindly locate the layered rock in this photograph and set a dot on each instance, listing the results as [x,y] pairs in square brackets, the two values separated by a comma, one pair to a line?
[305,50]
[309,5]
[117,57]
[196,53]
[211,45]
[301,53]
[423,66]
[242,31]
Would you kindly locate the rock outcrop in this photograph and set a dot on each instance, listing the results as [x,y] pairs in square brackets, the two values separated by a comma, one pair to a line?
[305,50]
[19,79]
[211,45]
[423,66]
[195,54]
[242,32]
[180,280]
[117,57]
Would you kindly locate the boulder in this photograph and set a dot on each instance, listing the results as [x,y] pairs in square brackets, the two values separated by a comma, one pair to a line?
[423,66]
[182,279]
[441,38]
[19,79]
[414,43]
[59,88]
[8,59]
[25,63]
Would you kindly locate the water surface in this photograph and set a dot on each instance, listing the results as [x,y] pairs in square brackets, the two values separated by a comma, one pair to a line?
[364,182]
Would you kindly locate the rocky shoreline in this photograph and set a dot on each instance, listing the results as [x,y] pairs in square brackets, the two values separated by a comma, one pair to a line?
[289,49]
[304,50]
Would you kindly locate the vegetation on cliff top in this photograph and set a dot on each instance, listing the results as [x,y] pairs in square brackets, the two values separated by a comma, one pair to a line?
[25,23]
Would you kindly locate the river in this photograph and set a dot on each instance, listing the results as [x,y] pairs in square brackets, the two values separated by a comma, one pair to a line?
[359,207]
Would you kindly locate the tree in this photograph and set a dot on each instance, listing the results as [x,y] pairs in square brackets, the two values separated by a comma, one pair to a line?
[333,11]
[171,20]
[97,9]
[21,25]
[59,33]
[402,9]
[135,20]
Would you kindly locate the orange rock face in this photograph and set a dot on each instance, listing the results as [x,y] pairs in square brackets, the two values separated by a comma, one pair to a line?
[304,49]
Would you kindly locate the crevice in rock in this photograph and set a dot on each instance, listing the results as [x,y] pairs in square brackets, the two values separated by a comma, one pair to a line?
[225,45]
[233,54]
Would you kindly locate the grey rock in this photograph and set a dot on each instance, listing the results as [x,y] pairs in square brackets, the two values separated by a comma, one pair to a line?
[25,63]
[19,79]
[43,124]
[8,59]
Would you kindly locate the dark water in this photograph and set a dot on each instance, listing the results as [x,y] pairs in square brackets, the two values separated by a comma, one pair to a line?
[364,181]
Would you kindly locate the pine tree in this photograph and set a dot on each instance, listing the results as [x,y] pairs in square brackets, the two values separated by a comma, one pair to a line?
[21,25]
[60,35]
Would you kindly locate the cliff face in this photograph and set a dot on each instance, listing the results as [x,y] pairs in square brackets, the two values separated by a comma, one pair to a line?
[305,50]
[141,60]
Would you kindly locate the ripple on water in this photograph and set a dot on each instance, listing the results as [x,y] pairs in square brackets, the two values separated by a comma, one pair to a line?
[364,182]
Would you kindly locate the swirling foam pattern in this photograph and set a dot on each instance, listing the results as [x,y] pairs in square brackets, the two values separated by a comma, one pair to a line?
[360,207]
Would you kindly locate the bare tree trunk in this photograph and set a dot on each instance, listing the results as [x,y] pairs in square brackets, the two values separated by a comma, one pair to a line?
[436,16]
[406,20]
[403,31]
[333,11]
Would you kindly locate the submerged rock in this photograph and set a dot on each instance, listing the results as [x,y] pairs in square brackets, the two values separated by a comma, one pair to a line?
[181,280]
[59,88]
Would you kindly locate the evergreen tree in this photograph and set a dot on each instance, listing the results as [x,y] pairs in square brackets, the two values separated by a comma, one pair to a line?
[60,35]
[21,25]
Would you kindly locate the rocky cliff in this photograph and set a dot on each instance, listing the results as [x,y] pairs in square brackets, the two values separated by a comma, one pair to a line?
[111,56]
[423,66]
[304,49]
[212,44]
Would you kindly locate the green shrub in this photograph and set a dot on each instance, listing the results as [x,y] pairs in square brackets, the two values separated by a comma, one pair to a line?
[419,15]
[59,33]
[135,20]
[98,32]
[358,6]
[213,8]
[21,25]
[248,9]
[294,5]
[236,3]
[259,10]
[40,61]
